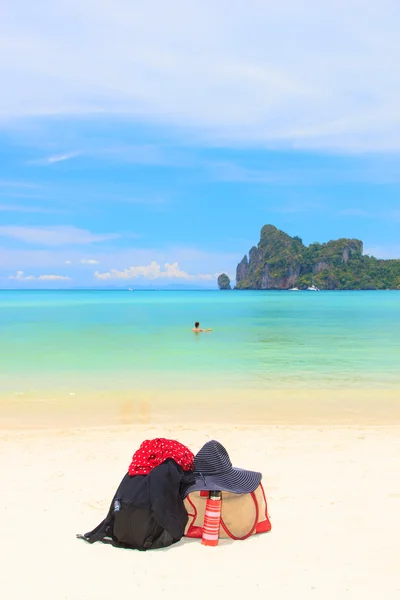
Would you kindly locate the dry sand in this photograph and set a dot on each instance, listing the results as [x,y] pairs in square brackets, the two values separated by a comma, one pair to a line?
[333,496]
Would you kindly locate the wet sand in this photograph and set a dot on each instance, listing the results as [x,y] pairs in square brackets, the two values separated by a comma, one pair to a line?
[270,407]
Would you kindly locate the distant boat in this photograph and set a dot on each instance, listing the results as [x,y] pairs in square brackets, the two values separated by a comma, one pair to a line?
[294,289]
[130,289]
[313,288]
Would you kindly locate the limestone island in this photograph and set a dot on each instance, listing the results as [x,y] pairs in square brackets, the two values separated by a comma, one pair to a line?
[224,283]
[282,262]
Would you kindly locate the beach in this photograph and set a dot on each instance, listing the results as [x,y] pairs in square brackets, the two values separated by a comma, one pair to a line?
[304,389]
[333,499]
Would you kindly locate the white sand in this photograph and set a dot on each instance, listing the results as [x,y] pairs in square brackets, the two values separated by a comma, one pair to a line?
[334,503]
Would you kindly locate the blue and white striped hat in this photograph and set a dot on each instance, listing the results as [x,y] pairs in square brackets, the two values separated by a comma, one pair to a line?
[213,470]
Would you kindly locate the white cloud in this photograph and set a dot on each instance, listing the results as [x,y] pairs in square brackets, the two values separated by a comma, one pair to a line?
[56,235]
[62,157]
[144,154]
[67,262]
[23,208]
[18,184]
[49,160]
[191,259]
[369,170]
[261,72]
[20,276]
[89,261]
[54,278]
[153,271]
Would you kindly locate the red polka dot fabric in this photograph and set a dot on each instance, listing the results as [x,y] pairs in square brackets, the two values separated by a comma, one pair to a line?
[154,452]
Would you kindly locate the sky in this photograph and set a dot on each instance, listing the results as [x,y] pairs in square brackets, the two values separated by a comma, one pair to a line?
[145,144]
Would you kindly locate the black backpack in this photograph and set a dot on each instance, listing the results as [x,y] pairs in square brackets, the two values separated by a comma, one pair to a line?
[147,511]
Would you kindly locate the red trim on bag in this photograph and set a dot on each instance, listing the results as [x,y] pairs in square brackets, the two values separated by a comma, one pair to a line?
[194,532]
[265,499]
[263,527]
[233,537]
[204,494]
[193,506]
[266,525]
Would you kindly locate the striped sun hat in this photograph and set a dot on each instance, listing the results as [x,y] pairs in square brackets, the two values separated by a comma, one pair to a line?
[213,470]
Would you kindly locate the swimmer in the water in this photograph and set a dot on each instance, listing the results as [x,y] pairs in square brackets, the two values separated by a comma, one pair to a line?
[197,328]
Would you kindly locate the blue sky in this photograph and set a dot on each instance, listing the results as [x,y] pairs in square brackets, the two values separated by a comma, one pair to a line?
[146,144]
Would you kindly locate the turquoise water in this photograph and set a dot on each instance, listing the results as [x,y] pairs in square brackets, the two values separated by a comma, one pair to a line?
[138,340]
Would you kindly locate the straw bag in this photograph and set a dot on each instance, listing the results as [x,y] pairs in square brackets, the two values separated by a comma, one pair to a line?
[242,515]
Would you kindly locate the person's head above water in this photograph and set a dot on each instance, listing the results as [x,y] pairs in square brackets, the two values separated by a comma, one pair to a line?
[197,328]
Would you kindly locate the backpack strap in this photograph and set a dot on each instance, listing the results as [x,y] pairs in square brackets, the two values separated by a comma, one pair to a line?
[98,533]
[104,529]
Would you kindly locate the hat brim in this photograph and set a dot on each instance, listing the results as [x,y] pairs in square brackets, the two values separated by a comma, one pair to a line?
[236,481]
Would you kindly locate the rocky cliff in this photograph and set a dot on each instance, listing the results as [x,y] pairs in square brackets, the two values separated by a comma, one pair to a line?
[224,283]
[281,262]
[274,264]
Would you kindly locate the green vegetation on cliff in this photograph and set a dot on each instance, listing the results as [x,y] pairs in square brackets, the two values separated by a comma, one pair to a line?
[281,262]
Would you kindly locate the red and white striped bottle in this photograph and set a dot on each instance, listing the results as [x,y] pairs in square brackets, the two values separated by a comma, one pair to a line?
[212,519]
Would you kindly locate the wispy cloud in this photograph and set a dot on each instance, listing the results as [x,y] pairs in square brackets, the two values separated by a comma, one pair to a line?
[227,72]
[49,160]
[21,195]
[191,259]
[297,207]
[23,208]
[89,261]
[366,170]
[62,157]
[234,172]
[142,154]
[354,212]
[20,276]
[153,271]
[18,184]
[378,214]
[152,199]
[57,235]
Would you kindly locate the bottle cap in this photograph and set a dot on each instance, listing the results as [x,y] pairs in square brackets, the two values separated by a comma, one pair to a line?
[215,495]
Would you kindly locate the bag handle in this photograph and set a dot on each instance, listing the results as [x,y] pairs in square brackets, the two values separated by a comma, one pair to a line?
[233,537]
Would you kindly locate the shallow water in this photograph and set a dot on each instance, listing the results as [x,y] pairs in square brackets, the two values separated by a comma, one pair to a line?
[122,340]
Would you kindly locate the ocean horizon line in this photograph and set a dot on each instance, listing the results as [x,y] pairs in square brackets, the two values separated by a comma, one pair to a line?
[174,290]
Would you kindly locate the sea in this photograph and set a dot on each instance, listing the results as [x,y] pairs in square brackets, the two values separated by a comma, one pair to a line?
[143,340]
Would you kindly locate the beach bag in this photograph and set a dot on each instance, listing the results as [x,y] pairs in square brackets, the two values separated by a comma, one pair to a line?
[242,515]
